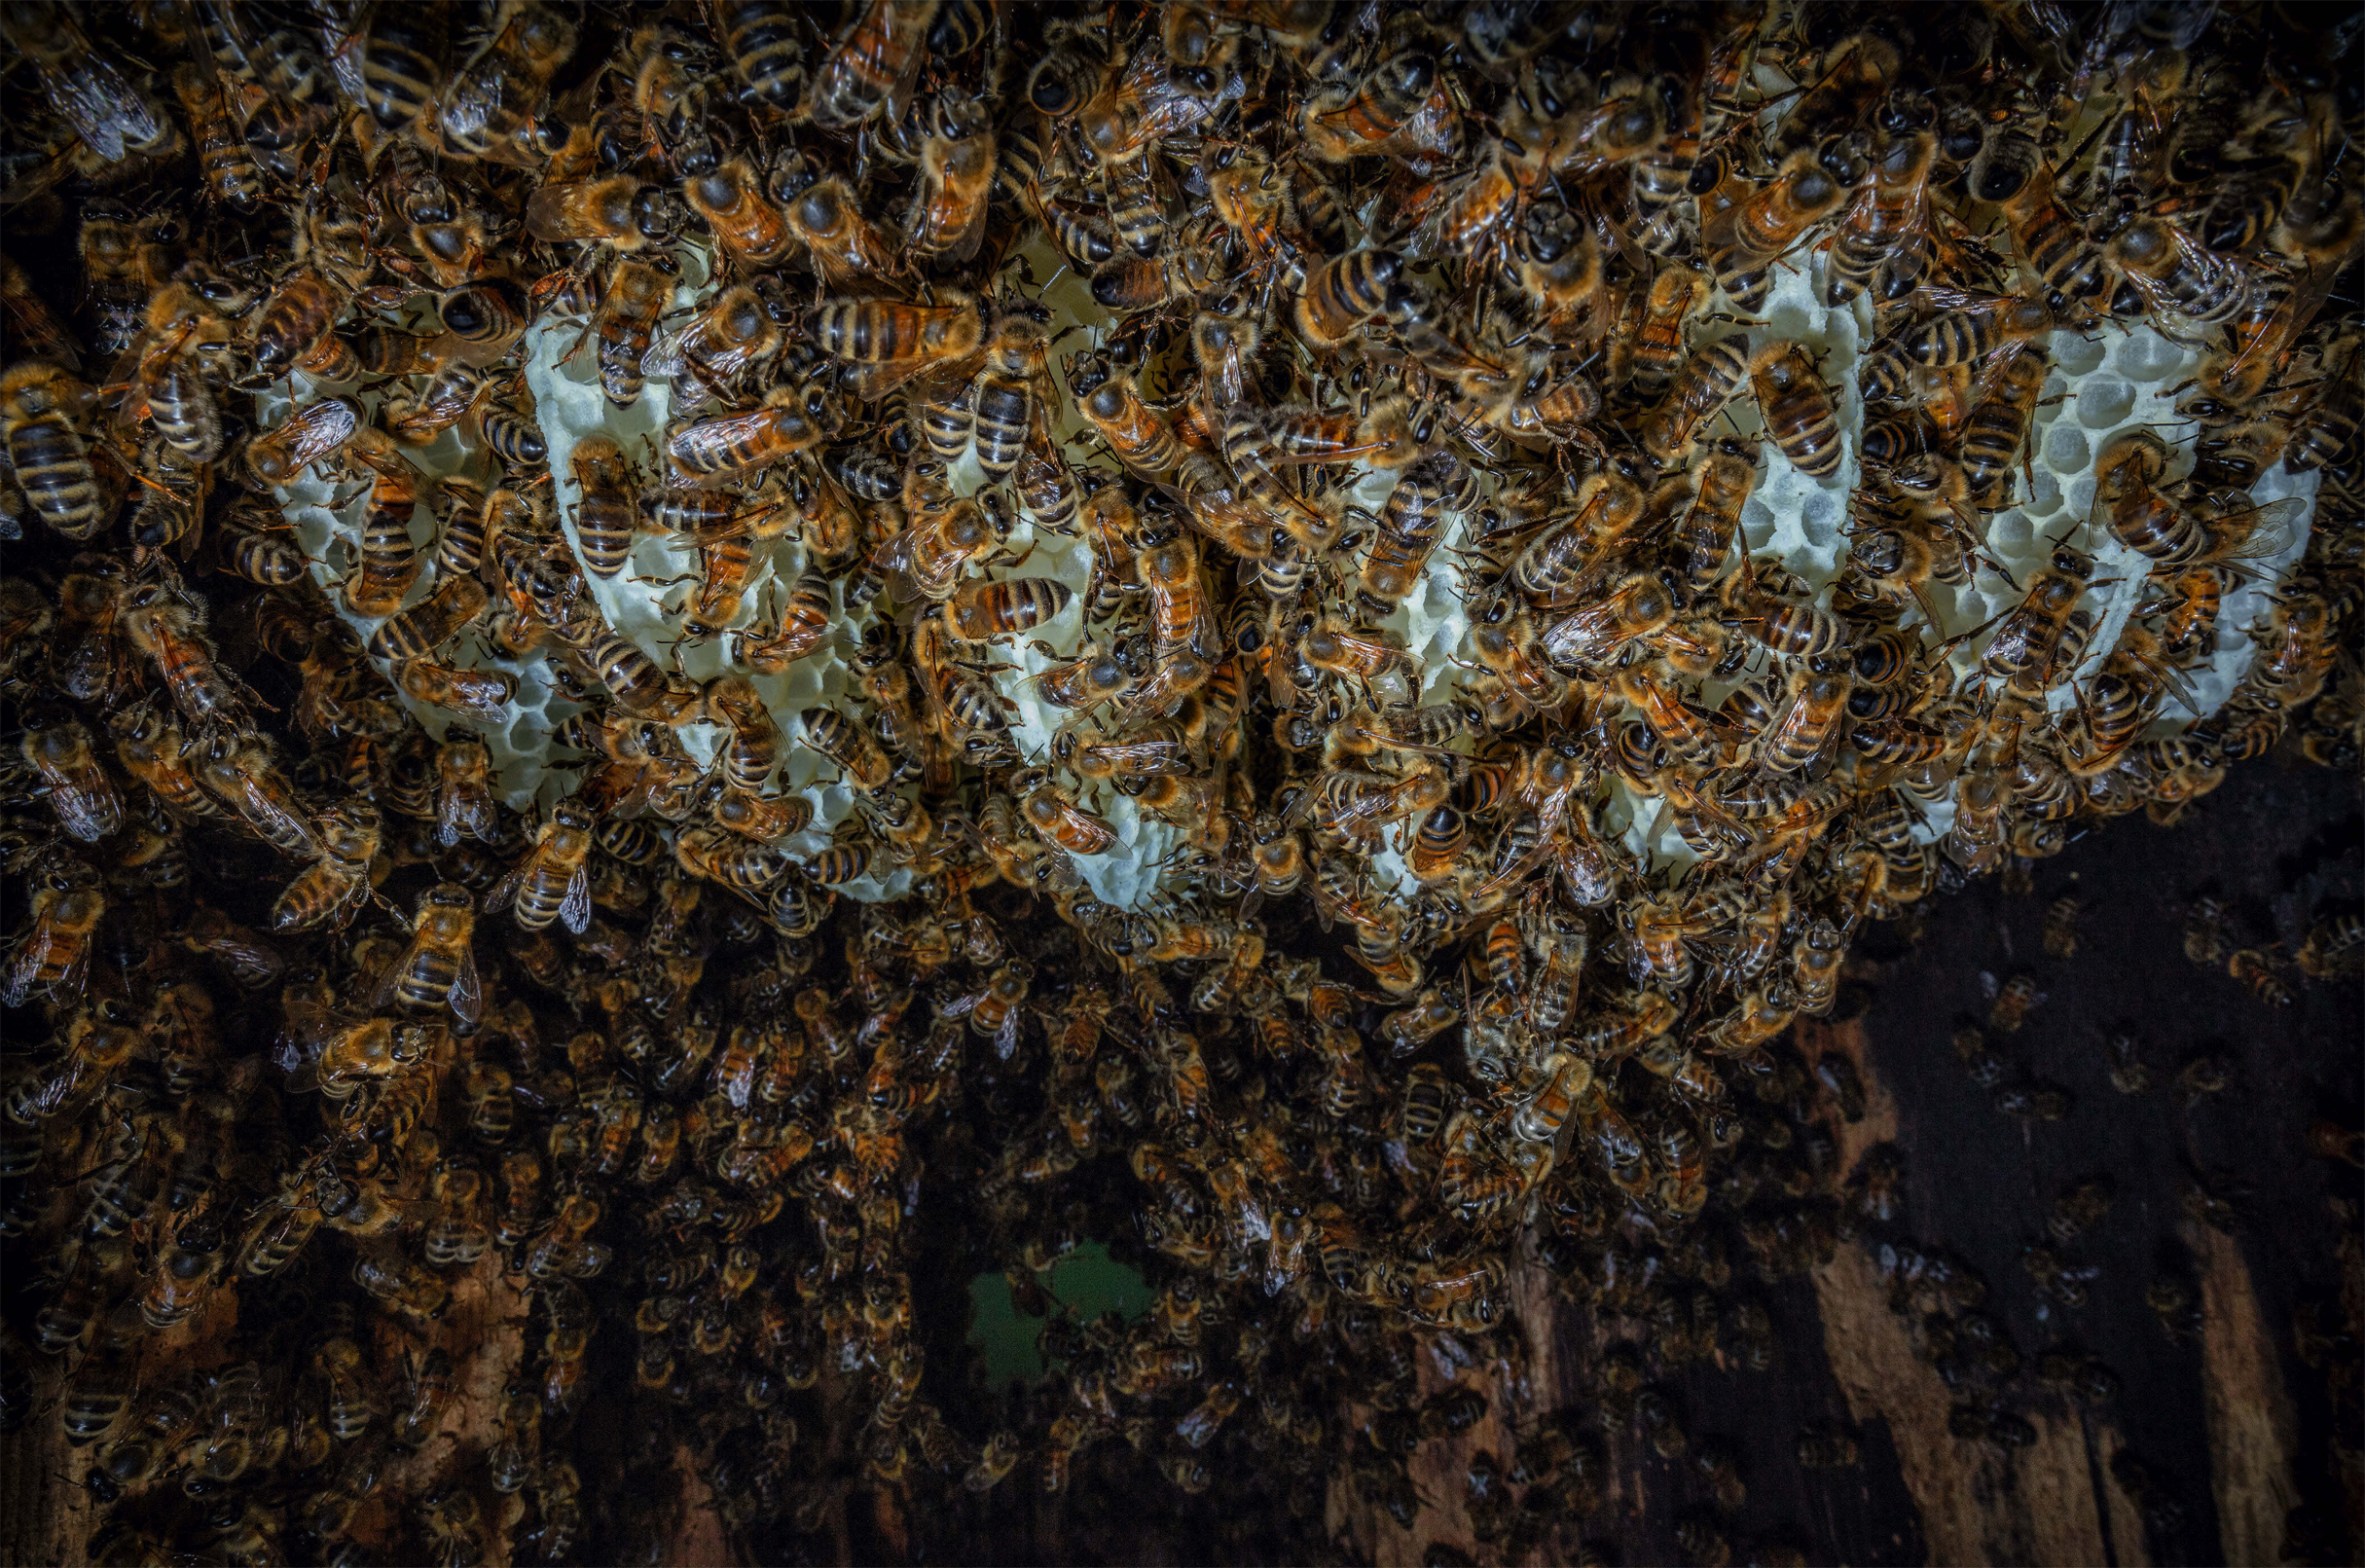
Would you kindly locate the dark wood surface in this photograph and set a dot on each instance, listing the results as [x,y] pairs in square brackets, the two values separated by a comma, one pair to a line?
[2233,1425]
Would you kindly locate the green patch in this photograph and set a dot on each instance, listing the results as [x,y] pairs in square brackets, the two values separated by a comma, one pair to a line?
[1087,1283]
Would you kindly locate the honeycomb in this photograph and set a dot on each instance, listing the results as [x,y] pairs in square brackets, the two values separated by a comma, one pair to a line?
[2111,379]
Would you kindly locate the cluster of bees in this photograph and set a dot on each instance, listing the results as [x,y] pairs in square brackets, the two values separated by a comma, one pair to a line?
[319,1045]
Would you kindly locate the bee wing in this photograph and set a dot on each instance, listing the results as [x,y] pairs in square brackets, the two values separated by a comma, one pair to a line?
[668,355]
[88,97]
[467,995]
[506,889]
[575,910]
[384,990]
[1005,1037]
[450,810]
[89,814]
[34,952]
[2270,528]
[1947,297]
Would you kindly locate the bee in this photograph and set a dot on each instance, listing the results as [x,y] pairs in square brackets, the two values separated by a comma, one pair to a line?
[152,750]
[721,344]
[2060,931]
[983,611]
[2056,247]
[1349,291]
[772,646]
[2026,647]
[956,167]
[2011,1001]
[754,233]
[823,212]
[638,289]
[1975,330]
[179,404]
[438,966]
[489,108]
[2255,970]
[335,885]
[126,261]
[39,407]
[2179,280]
[1773,220]
[1011,392]
[2126,470]
[605,520]
[1800,418]
[2325,952]
[52,957]
[892,342]
[1707,380]
[1999,423]
[791,420]
[1884,234]
[1390,673]
[553,881]
[872,62]
[843,743]
[60,751]
[1052,812]
[1141,438]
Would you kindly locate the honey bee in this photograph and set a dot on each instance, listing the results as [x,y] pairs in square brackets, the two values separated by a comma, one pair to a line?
[1141,440]
[791,420]
[1706,381]
[54,956]
[1349,291]
[1052,812]
[60,751]
[843,743]
[438,966]
[1775,218]
[2129,467]
[956,167]
[39,405]
[334,886]
[552,882]
[2011,1001]
[488,109]
[871,63]
[1800,418]
[2026,647]
[890,341]
[1011,392]
[2255,970]
[2055,246]
[984,611]
[2183,283]
[821,212]
[636,297]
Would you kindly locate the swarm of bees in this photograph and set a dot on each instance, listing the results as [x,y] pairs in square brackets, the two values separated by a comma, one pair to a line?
[1463,957]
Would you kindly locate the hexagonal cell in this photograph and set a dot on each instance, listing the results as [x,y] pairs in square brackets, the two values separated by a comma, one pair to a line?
[1756,523]
[2065,449]
[2143,355]
[2103,403]
[1819,517]
[2077,354]
[2043,494]
[2010,531]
